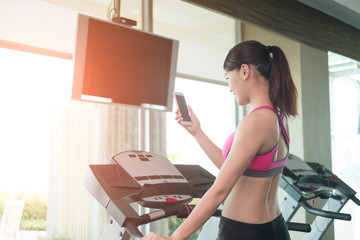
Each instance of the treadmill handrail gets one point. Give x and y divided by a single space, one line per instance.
355 200
184 210
133 231
299 227
323 213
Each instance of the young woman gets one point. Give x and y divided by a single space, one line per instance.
253 156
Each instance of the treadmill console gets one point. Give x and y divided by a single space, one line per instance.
311 179
148 168
149 180
135 176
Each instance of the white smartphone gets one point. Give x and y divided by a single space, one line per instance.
182 106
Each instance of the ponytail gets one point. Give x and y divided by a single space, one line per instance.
275 69
282 90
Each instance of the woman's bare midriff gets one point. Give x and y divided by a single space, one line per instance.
253 200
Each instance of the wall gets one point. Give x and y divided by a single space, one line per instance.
316 105
316 113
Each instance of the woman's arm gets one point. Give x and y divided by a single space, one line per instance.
211 150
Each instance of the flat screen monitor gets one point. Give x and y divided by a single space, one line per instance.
119 64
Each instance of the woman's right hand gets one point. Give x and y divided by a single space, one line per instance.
194 127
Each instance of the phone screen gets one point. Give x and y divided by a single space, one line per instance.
183 108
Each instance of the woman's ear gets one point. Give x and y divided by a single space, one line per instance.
245 70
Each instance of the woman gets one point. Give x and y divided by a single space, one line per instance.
253 157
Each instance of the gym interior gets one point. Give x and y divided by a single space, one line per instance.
49 138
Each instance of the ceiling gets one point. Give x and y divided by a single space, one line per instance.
347 11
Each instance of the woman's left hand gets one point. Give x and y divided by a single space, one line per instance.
154 236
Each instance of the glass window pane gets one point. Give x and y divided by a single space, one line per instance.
31 86
205 36
345 137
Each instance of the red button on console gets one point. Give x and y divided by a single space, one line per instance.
171 200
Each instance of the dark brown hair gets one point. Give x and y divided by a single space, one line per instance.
275 69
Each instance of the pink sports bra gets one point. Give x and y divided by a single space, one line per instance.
263 165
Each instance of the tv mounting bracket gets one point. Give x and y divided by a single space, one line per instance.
121 20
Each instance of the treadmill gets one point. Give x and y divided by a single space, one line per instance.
148 180
306 181
152 181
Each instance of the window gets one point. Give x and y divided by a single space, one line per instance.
31 87
345 134
214 106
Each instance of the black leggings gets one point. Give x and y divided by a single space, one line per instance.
233 230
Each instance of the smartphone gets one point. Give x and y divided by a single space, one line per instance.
182 106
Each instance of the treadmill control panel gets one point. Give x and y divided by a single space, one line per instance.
148 168
161 183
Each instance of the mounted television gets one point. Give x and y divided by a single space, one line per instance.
118 64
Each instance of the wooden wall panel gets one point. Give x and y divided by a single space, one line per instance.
295 20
